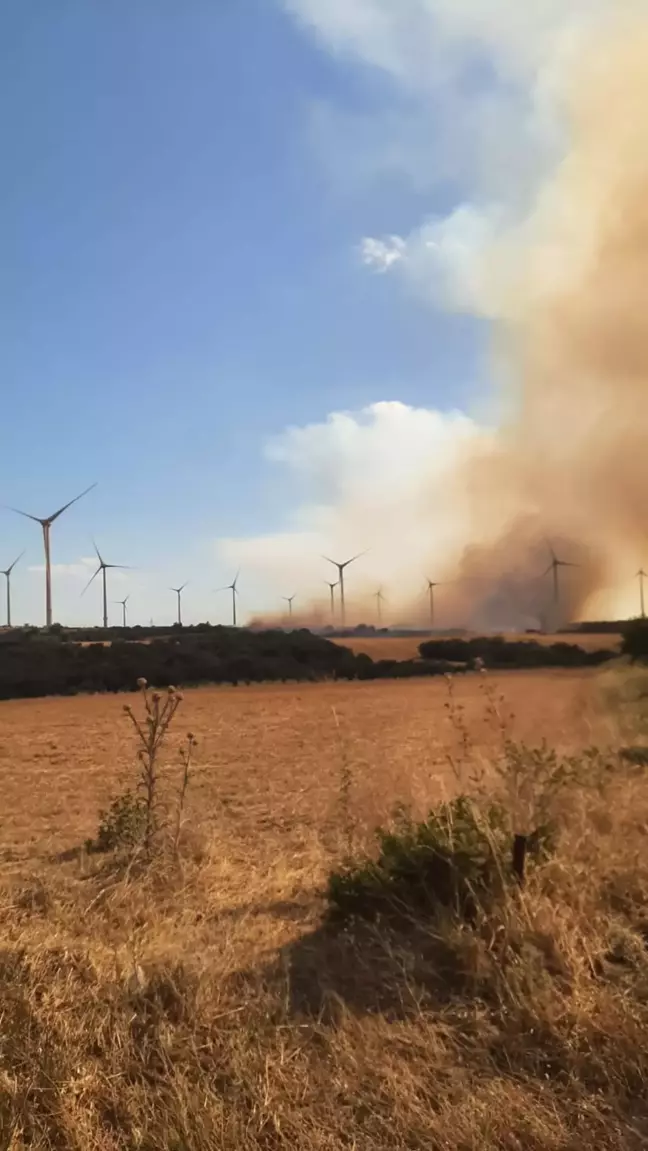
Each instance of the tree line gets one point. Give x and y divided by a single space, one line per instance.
35 663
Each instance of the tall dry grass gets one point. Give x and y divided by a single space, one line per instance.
202 1002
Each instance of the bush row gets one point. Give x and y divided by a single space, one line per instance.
37 663
499 653
46 664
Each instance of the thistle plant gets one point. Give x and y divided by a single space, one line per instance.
151 730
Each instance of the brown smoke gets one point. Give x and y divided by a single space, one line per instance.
571 465
568 467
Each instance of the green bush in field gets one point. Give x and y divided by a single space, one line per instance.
122 825
458 859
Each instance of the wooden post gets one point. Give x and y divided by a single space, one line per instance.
520 843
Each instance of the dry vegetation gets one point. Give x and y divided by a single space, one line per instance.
201 1002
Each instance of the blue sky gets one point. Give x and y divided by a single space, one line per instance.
181 276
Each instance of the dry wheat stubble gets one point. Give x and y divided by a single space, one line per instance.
269 756
265 791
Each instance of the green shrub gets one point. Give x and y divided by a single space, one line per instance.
453 860
122 826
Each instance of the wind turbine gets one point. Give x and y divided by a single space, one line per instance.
46 525
232 587
179 591
103 568
123 603
332 587
553 567
380 599
341 567
641 576
289 600
7 574
431 585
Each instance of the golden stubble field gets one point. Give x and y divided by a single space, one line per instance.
202 1004
269 757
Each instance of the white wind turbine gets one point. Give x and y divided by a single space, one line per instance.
46 525
103 568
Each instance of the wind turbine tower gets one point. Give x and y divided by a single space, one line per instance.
380 599
123 603
232 587
641 576
341 569
103 568
289 600
332 587
431 585
554 567
179 591
46 525
7 574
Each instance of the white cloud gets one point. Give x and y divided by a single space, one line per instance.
367 480
381 254
485 79
446 260
406 37
80 569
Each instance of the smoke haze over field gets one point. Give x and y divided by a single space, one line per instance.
562 273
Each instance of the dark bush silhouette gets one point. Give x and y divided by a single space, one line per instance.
35 663
499 653
635 639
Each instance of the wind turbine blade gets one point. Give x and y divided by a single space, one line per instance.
69 505
118 567
93 577
99 556
25 514
354 558
10 569
330 561
549 569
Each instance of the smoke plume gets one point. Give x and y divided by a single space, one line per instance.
567 468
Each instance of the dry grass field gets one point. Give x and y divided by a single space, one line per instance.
200 1003
406 647
271 752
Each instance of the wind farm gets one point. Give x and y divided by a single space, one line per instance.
338 614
